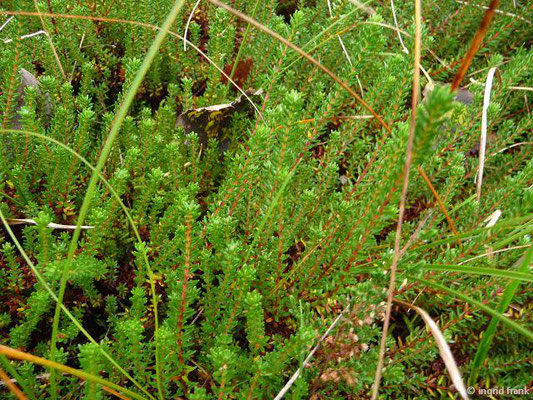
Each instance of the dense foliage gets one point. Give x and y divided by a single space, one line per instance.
243 258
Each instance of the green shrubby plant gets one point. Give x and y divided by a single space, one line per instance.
232 264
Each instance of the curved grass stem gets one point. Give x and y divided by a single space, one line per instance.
115 128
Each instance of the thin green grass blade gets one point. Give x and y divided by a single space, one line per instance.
496 229
496 314
488 335
297 57
13 372
20 355
527 229
242 45
43 282
10 198
501 273
334 36
272 205
128 217
122 205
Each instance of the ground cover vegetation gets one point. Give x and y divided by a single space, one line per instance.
199 204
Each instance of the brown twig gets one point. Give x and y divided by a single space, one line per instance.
403 197
115 393
439 201
476 44
11 386
416 233
23 356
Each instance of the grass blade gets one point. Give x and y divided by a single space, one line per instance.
14 389
128 217
444 349
488 335
17 377
115 128
20 355
495 314
483 139
43 282
476 44
501 273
